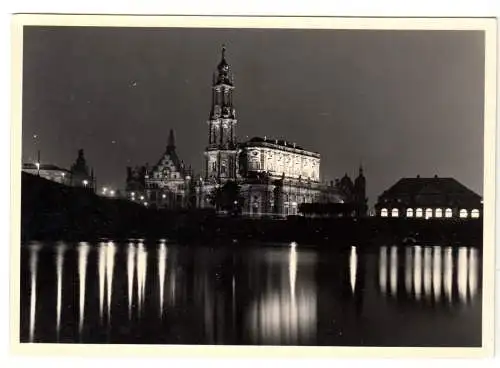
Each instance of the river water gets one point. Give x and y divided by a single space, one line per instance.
155 292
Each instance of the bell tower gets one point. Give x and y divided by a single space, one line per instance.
221 151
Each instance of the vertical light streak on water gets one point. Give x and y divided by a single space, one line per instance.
437 271
110 265
473 272
428 272
382 269
101 260
162 264
408 270
61 248
292 271
33 273
353 267
417 272
448 273
141 273
462 273
233 304
130 275
83 251
394 271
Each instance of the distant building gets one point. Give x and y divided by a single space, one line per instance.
49 172
165 185
81 175
429 198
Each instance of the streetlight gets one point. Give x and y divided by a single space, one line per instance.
37 168
104 190
142 198
85 183
111 193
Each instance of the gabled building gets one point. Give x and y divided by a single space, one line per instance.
165 185
429 198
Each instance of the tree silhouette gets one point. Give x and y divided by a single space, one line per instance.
227 197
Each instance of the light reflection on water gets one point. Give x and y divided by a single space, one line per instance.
430 278
353 267
61 248
34 248
83 251
271 295
102 277
162 264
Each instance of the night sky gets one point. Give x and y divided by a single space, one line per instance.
402 103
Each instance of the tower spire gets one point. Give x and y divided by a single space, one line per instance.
171 140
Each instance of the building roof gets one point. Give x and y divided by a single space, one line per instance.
47 167
278 142
428 186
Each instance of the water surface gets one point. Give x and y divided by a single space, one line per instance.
253 294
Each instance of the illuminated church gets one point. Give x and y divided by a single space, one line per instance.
274 176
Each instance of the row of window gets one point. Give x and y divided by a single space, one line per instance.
430 213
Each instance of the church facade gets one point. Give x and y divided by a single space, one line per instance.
274 176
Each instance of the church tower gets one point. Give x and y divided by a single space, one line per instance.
360 193
221 151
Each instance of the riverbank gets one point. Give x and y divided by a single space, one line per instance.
51 212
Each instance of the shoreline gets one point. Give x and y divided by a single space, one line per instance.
54 212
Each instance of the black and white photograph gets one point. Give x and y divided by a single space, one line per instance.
305 182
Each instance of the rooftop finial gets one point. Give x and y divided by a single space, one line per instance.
223 51
171 140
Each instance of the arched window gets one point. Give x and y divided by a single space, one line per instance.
384 212
409 212
395 212
474 213
448 213
463 213
419 212
428 213
439 212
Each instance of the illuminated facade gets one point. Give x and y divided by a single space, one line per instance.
275 176
165 185
429 198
